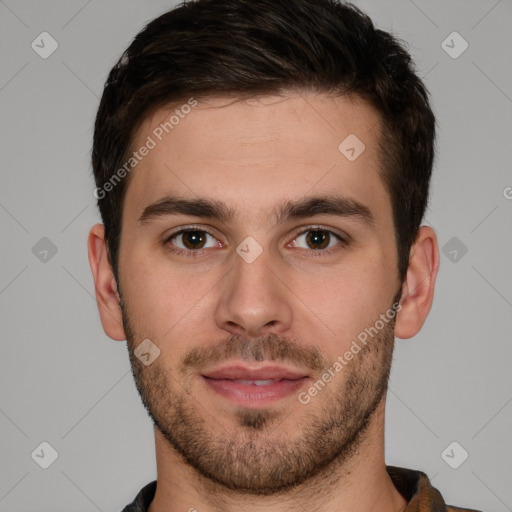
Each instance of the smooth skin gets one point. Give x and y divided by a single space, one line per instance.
254 156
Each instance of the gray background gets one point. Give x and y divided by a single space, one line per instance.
64 382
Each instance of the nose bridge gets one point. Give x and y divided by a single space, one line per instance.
252 300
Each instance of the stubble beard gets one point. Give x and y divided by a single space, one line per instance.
249 458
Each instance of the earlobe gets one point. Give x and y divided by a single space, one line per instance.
107 296
418 287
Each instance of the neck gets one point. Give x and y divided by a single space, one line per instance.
359 484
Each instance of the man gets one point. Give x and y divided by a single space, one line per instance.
262 169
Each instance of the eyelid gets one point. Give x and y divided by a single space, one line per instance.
190 253
185 229
343 242
342 235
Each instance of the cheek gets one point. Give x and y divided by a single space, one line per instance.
164 302
342 304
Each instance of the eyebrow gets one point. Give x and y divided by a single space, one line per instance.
340 206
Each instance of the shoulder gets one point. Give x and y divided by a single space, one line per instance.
143 499
422 496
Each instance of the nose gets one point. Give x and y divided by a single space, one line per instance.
254 300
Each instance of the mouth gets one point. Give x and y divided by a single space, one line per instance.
254 386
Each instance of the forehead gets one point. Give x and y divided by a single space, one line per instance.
259 151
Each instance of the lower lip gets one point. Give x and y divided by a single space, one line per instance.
251 395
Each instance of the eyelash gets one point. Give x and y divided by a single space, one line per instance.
198 252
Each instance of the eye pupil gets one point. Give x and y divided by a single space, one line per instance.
319 237
193 239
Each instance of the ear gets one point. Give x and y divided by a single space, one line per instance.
105 285
418 287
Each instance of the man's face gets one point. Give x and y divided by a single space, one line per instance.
271 285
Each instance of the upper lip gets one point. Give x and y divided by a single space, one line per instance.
239 371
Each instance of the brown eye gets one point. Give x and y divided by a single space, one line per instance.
192 240
318 239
